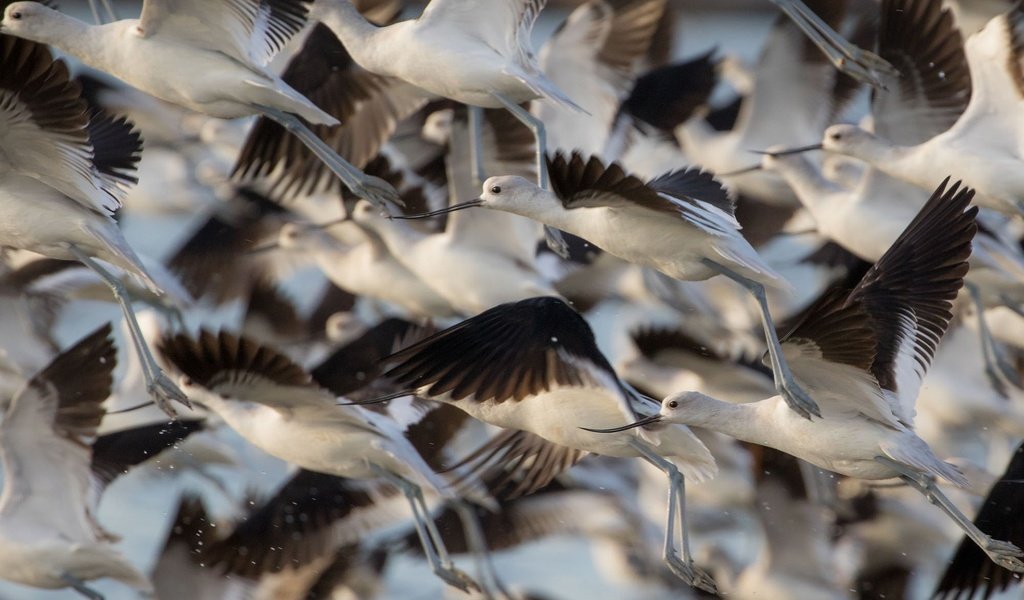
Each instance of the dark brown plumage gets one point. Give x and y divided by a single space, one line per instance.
210 360
507 352
917 278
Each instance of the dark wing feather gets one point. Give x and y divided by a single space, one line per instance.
667 96
211 359
695 184
117 147
516 463
44 87
652 341
368 106
291 529
916 279
114 453
921 273
357 364
589 183
921 40
82 377
508 352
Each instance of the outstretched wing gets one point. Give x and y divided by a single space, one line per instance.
250 31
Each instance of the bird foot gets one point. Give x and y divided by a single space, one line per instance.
163 391
798 400
377 191
692 575
1005 555
458 579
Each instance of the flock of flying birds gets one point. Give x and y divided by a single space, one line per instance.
455 285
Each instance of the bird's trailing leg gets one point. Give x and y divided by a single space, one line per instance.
820 485
79 586
430 538
682 567
94 6
476 145
794 395
477 544
374 189
997 367
1002 553
159 386
553 236
539 133
860 64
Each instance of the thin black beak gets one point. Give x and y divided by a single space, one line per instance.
655 418
377 400
131 408
441 211
740 171
789 151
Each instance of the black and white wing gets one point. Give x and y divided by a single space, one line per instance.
881 336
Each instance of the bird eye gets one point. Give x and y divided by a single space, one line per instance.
673 404
836 136
496 189
186 381
15 15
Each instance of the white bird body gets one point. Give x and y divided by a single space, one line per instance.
27 209
275 405
49 536
470 278
671 246
982 146
996 173
843 445
40 562
326 440
465 51
865 220
366 268
559 415
200 78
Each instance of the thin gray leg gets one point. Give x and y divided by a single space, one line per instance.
553 236
374 189
476 145
477 544
794 395
855 62
997 367
430 538
539 133
79 586
1002 553
684 568
819 484
158 385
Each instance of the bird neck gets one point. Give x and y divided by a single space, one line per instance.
351 27
547 210
77 38
746 422
811 187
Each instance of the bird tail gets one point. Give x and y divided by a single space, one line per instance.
410 464
542 86
120 254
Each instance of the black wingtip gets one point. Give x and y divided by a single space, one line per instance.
209 356
83 376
